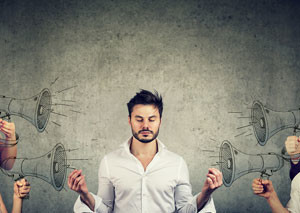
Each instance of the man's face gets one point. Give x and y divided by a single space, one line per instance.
144 122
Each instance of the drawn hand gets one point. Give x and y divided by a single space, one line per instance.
213 181
263 188
292 145
21 188
76 182
8 128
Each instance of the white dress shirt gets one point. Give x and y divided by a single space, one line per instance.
294 203
124 186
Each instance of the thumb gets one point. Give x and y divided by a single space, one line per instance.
19 183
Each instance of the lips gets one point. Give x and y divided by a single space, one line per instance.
145 132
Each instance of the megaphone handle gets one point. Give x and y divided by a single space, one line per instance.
297 127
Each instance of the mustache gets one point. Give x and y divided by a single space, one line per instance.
145 131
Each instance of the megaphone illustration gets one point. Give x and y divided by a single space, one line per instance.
50 167
267 122
36 109
235 164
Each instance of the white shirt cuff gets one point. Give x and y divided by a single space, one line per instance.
80 206
208 207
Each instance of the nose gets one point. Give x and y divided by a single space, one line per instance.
145 125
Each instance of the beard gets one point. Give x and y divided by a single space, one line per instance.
145 140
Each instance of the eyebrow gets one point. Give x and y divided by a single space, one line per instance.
152 116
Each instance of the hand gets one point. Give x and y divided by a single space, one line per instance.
76 182
263 188
292 145
8 128
213 181
21 188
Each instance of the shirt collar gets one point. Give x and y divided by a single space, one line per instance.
127 143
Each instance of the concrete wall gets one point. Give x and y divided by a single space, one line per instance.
206 58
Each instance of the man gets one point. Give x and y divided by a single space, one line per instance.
264 188
143 176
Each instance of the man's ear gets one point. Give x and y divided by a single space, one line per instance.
129 119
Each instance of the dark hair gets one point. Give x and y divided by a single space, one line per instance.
146 97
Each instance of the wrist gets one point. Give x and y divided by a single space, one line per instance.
17 197
272 197
206 192
84 195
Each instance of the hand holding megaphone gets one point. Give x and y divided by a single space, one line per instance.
8 129
21 188
292 145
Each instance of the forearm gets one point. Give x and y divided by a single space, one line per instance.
8 156
276 205
89 200
2 206
202 200
17 205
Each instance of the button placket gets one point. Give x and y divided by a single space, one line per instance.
144 194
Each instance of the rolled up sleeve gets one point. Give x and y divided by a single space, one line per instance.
184 200
104 200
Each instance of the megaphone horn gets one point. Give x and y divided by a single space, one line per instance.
235 164
267 122
36 109
50 167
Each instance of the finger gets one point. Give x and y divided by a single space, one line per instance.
257 184
19 183
264 182
292 137
212 184
23 182
214 171
256 187
22 195
257 181
80 183
5 131
4 122
71 175
25 191
217 174
212 177
77 180
74 176
258 191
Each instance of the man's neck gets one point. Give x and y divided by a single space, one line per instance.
138 148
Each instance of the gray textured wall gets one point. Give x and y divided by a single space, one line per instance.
206 58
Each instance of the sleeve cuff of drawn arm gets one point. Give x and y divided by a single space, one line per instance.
80 206
207 208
